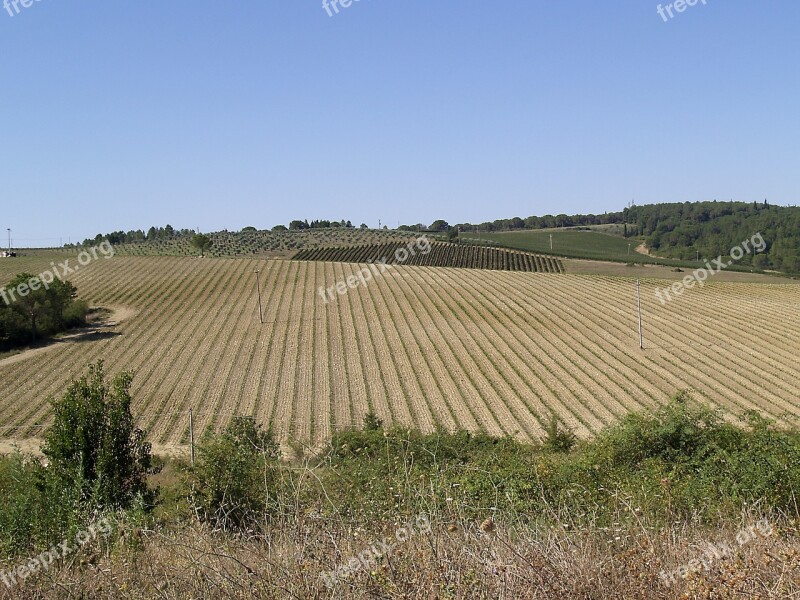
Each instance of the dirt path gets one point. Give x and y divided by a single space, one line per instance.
643 249
33 447
102 325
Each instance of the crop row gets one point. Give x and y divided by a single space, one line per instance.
439 255
492 351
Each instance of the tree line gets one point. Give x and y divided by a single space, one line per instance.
137 235
681 230
39 312
675 230
678 230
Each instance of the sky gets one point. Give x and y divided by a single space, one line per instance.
220 115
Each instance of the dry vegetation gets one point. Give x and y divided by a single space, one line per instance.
496 351
456 560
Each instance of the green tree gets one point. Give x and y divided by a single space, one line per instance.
203 243
42 309
93 443
32 305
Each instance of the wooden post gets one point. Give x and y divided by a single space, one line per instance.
191 433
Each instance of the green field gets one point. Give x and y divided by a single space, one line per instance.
570 243
575 243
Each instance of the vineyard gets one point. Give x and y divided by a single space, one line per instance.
256 243
440 255
453 348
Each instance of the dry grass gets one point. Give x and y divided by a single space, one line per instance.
455 560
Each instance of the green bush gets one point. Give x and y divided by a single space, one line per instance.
680 461
235 480
558 439
97 462
93 445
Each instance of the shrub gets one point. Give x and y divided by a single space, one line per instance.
235 479
93 445
558 439
372 422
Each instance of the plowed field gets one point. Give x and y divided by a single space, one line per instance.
496 351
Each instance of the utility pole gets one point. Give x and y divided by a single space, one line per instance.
629 249
9 240
551 242
639 303
258 287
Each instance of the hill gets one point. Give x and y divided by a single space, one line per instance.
260 243
437 254
713 228
677 231
432 347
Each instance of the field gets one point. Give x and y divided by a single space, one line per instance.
261 243
601 243
438 255
495 351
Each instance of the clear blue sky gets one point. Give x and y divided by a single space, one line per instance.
122 115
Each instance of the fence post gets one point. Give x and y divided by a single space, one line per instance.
191 433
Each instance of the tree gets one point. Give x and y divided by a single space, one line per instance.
44 309
439 225
32 305
93 444
203 243
280 228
